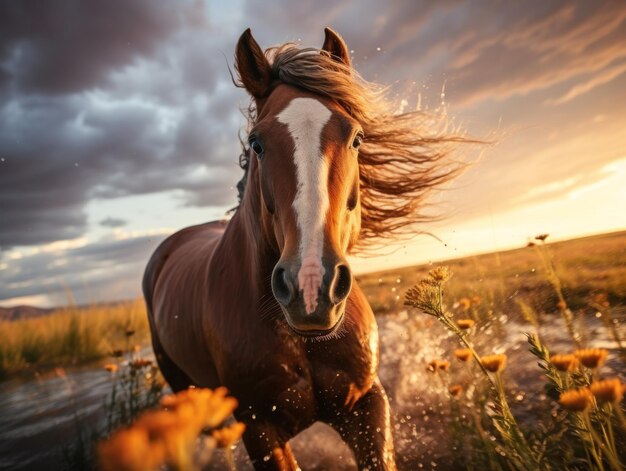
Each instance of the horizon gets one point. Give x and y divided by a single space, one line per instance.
124 128
70 304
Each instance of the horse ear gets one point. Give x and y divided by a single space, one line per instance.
336 47
254 69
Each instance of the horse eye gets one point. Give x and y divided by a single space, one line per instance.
358 140
256 146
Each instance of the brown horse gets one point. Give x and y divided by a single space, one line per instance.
265 304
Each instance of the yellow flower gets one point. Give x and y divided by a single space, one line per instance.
564 362
111 368
609 390
494 363
455 390
465 323
463 354
576 399
592 357
227 436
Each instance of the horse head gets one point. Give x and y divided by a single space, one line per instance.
304 151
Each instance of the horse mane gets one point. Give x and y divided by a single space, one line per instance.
403 158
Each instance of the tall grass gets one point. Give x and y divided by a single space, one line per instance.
70 336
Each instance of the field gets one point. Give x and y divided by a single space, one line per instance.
447 413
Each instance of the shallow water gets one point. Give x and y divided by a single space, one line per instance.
39 418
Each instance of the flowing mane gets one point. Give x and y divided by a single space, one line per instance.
402 158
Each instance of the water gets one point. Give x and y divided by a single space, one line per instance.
39 418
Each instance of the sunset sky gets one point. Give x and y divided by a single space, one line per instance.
119 122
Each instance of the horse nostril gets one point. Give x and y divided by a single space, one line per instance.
342 284
282 289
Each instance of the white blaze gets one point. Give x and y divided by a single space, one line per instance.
305 119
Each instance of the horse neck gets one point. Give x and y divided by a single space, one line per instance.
247 241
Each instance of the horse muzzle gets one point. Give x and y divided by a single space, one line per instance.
322 313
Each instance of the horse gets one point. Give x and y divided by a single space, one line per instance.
266 304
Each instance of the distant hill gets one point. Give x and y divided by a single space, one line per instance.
22 312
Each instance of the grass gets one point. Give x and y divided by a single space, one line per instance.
70 336
585 267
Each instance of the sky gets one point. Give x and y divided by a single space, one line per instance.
119 124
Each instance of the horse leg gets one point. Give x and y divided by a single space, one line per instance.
267 449
174 376
366 429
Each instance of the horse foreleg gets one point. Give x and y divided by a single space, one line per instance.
267 449
366 429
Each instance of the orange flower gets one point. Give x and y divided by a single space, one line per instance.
476 300
601 299
140 363
561 305
463 354
465 323
435 365
464 303
455 390
609 390
111 368
592 357
494 363
130 450
576 399
564 362
227 436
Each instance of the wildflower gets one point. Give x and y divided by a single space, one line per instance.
130 450
440 274
476 300
464 303
561 305
592 357
576 399
564 362
137 348
455 390
609 390
111 367
423 296
140 363
463 354
435 365
465 323
542 237
227 436
494 363
601 299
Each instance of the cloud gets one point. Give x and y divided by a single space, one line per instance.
601 78
113 222
107 269
102 100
